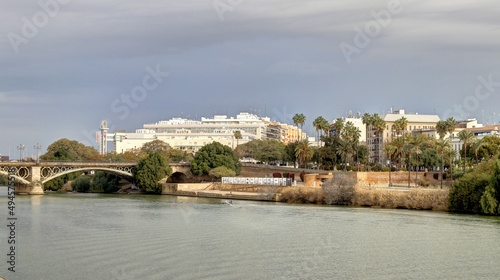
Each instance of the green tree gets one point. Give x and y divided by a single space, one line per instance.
490 200
81 184
214 155
270 150
249 149
70 150
290 152
3 180
490 146
105 182
176 155
156 146
303 152
149 171
477 191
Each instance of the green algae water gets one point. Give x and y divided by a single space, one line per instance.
119 237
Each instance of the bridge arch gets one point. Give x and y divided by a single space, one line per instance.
18 178
124 174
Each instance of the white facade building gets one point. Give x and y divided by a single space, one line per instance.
191 135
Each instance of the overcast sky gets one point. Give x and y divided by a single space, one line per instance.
70 64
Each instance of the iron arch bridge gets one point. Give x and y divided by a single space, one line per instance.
30 176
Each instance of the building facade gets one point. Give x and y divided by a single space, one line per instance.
191 135
416 124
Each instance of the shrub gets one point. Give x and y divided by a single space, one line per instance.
465 195
339 190
417 199
276 175
423 182
3 180
393 169
301 195
375 168
221 171
286 175
385 169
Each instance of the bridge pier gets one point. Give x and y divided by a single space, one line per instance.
36 180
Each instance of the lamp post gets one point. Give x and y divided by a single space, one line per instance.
21 148
37 147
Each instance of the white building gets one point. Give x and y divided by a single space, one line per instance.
416 124
358 123
191 135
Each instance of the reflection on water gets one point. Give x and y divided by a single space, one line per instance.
92 236
3 190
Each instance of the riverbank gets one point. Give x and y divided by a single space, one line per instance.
363 196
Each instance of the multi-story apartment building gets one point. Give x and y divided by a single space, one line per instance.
416 124
191 135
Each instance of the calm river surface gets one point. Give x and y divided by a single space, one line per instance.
119 237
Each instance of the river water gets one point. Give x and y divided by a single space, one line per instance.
119 237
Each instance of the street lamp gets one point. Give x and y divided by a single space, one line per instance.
37 147
21 149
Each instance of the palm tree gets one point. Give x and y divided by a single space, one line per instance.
475 146
379 124
400 125
299 120
390 151
466 137
303 152
451 154
351 134
237 135
417 143
319 125
367 121
442 128
344 149
325 127
442 146
407 148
